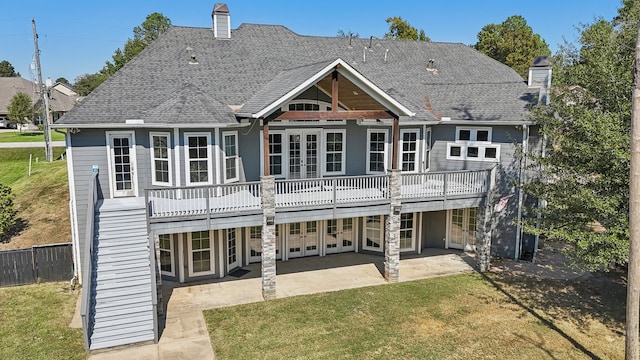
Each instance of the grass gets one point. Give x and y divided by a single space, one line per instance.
457 317
28 136
41 199
35 323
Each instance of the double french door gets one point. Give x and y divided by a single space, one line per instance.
463 227
340 236
303 239
304 147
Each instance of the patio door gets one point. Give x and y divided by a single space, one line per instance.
302 239
304 146
232 248
254 243
462 228
339 236
122 163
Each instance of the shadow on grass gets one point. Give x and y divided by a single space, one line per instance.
20 225
600 296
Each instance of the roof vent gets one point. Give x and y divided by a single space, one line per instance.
221 21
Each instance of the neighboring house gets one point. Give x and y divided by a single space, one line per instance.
216 148
60 99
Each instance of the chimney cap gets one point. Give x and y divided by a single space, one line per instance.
220 8
541 61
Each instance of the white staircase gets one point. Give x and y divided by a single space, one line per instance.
122 310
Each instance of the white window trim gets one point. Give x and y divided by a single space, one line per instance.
154 181
187 135
171 252
386 151
132 157
413 234
416 162
225 157
323 152
283 153
211 257
382 234
481 151
474 134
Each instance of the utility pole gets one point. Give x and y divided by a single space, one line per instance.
633 287
44 94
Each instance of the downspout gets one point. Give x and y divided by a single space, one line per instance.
523 162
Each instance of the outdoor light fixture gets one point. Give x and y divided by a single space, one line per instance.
397 209
271 220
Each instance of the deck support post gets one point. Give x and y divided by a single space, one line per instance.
392 229
267 193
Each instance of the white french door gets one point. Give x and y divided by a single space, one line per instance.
463 228
254 247
339 235
302 239
122 163
232 248
304 147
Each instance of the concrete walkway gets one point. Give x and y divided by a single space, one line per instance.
185 334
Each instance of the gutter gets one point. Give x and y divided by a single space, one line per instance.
147 126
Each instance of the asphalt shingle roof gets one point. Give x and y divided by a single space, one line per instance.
461 83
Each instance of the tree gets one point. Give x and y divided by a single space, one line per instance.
348 34
7 213
401 29
85 84
585 173
20 108
154 25
7 70
513 43
62 80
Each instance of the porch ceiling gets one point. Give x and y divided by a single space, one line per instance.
350 96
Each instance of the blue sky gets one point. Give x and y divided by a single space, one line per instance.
76 37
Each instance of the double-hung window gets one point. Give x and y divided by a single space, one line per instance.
473 144
377 151
160 159
197 149
409 150
231 159
334 148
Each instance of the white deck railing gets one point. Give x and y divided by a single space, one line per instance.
203 200
331 191
309 193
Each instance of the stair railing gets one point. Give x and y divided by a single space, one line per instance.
87 271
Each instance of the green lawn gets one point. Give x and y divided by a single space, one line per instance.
457 317
28 136
35 323
15 163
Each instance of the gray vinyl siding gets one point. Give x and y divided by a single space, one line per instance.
89 149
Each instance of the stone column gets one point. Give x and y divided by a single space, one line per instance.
268 196
483 238
392 229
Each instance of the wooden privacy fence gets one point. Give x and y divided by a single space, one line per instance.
40 263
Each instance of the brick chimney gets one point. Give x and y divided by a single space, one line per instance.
540 77
221 21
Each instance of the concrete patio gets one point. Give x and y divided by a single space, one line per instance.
185 336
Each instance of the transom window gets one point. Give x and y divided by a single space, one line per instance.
160 159
473 144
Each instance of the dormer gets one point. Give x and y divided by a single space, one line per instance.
221 21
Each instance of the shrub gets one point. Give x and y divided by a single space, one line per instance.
7 213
